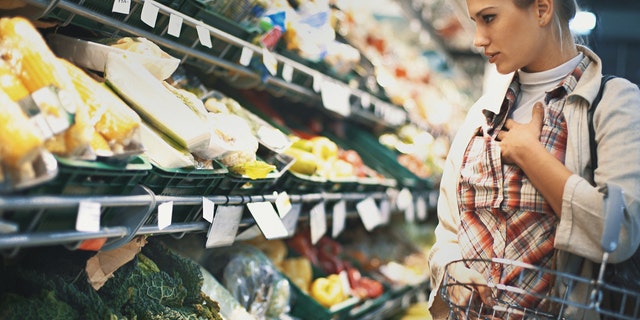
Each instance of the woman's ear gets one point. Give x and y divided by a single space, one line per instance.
544 9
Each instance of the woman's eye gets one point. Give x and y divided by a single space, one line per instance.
488 18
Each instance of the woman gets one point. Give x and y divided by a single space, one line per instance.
516 183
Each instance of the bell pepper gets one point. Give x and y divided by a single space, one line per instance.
328 290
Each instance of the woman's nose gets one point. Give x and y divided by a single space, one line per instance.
480 39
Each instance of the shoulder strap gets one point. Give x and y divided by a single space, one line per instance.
592 132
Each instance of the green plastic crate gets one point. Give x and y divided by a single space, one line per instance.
296 183
81 177
185 181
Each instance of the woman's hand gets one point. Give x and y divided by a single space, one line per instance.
470 290
518 139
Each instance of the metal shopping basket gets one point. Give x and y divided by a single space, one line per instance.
514 301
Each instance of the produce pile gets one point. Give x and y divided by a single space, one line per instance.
51 283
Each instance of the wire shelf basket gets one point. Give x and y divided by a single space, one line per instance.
558 295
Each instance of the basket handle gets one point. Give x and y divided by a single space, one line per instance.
614 208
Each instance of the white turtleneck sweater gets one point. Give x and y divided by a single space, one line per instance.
534 86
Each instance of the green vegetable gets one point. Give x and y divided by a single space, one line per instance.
51 283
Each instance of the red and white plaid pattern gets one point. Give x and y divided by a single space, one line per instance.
502 214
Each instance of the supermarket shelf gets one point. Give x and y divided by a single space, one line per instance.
365 107
134 211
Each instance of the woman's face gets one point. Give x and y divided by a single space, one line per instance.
511 37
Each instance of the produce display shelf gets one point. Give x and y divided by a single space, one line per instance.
219 61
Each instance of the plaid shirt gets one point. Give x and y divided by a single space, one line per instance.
502 214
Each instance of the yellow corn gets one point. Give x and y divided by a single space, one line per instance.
113 118
10 83
20 140
100 145
28 54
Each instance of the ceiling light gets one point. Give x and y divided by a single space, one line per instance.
583 23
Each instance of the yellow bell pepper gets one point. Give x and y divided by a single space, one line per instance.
328 291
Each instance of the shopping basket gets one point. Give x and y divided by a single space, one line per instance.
594 303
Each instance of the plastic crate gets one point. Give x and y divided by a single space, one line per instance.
382 158
296 183
236 184
185 181
81 177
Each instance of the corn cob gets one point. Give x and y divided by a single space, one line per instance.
100 145
28 54
20 140
10 83
113 118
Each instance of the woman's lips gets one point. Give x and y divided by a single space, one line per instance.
492 57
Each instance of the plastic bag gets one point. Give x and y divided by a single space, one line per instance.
251 279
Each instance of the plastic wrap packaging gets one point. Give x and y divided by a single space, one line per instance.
251 279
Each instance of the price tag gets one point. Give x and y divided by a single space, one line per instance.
365 100
385 212
57 117
245 56
404 200
318 221
369 213
290 220
175 25
149 13
267 219
283 204
208 208
204 36
224 227
287 72
421 209
339 218
410 213
270 61
165 214
88 218
335 97
121 6
317 82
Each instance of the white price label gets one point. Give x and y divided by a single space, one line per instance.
270 61
267 219
175 25
290 220
204 36
283 204
318 79
410 213
385 211
88 218
245 56
369 213
165 214
365 100
421 209
121 6
287 72
208 208
404 200
224 227
335 97
149 13
339 217
318 221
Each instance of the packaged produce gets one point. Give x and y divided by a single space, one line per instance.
230 308
114 120
162 151
21 141
93 54
155 104
252 280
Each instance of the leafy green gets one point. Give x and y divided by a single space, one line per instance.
156 284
